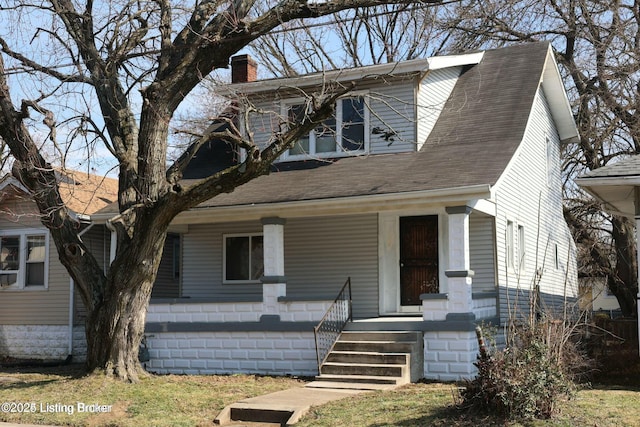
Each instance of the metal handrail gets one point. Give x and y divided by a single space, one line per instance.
327 331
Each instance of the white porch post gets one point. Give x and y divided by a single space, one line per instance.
274 283
459 275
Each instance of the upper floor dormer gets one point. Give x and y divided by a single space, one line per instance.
391 108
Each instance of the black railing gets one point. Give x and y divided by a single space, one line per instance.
329 328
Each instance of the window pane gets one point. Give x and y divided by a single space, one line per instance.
35 274
296 114
353 124
257 257
326 136
8 279
10 253
35 249
237 258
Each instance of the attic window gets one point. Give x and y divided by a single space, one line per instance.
343 134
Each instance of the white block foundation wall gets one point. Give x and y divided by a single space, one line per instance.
270 353
43 342
449 356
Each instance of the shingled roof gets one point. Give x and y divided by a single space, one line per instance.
479 130
624 168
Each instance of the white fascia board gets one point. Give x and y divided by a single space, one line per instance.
315 79
608 181
448 61
558 101
9 180
337 206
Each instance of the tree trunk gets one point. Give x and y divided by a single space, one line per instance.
624 282
114 332
115 327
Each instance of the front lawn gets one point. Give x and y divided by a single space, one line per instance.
175 400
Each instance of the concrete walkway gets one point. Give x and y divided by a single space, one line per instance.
282 408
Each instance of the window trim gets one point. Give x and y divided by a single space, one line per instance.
509 241
522 249
340 151
20 284
225 281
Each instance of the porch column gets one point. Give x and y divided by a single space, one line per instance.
459 275
274 284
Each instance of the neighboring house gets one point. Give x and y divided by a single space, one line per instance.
617 185
436 189
36 299
595 296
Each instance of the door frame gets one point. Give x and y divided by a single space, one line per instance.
389 259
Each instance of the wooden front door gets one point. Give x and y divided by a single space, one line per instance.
418 258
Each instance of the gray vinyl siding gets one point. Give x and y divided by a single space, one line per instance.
392 107
98 241
33 307
320 253
482 252
202 261
433 92
528 197
167 284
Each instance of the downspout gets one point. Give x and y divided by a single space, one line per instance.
72 301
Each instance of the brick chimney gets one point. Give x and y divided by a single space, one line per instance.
243 69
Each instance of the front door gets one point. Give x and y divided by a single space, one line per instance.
418 258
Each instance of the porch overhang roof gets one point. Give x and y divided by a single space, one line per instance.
478 197
616 185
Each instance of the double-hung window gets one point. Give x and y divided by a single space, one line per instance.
243 258
339 135
23 259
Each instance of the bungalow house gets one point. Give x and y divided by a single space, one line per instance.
37 301
434 194
429 204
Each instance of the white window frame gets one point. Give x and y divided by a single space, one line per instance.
21 273
509 240
224 258
522 249
340 150
551 162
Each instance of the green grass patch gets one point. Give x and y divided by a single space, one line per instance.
175 400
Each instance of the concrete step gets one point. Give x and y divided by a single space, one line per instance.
263 415
359 379
378 370
374 346
394 336
337 385
367 357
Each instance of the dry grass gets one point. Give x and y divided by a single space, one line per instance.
174 400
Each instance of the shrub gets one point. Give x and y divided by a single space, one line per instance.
528 377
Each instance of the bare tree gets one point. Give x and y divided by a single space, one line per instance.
598 49
135 62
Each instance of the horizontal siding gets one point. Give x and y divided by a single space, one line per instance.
433 92
530 195
167 285
392 107
202 261
98 241
38 307
321 253
481 252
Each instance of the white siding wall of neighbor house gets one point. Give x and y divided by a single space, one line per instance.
433 92
529 186
33 323
392 108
